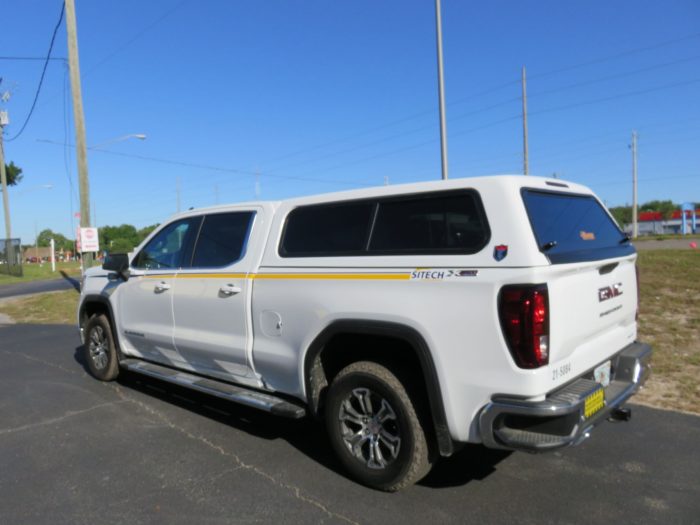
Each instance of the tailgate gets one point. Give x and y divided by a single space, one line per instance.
591 280
593 308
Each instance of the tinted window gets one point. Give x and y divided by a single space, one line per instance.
338 229
165 250
571 228
444 223
221 239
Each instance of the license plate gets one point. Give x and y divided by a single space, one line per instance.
594 402
602 374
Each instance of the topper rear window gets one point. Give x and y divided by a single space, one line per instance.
571 228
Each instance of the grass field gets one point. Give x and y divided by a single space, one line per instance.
41 272
663 237
669 320
46 308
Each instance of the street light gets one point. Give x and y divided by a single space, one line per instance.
140 136
34 188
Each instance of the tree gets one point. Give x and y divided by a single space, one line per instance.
125 236
14 173
622 214
60 240
120 246
666 208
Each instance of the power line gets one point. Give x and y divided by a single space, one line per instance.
43 73
650 180
612 77
614 97
203 166
369 131
33 58
135 37
617 55
495 88
126 44
397 135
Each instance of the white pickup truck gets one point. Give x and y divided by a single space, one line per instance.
496 310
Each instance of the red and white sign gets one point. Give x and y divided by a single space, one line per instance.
89 241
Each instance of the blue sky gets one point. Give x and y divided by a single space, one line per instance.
324 96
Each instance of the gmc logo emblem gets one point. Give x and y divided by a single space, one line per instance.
608 292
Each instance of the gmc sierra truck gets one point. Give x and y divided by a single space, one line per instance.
410 319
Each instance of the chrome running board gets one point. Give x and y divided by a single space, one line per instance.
241 395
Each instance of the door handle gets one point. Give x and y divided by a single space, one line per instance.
229 290
161 287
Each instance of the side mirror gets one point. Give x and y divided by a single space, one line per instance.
119 263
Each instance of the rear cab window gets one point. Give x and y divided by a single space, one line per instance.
573 228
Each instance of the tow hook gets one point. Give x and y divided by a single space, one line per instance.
620 414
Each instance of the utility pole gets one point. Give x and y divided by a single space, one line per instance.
635 226
3 176
79 118
177 189
9 248
441 91
526 167
257 185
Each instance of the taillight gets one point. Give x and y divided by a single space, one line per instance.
524 312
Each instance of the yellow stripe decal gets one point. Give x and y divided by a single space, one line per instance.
323 276
335 276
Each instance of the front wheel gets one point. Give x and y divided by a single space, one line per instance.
100 350
374 428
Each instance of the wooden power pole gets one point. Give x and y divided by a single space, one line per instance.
78 116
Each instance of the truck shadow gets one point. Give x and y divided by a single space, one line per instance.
472 462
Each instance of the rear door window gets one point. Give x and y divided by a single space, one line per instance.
572 228
222 238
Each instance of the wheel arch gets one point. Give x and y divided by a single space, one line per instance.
94 304
315 380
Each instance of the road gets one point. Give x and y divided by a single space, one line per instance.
74 450
31 287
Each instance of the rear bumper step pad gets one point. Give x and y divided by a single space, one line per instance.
560 420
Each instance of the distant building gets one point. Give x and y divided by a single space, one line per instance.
652 223
42 253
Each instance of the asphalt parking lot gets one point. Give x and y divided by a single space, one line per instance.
74 450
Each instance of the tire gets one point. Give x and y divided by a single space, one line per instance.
100 351
382 443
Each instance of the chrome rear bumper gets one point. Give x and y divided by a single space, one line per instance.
560 420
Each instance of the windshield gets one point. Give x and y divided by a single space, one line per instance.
571 228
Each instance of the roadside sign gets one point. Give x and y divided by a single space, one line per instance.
89 241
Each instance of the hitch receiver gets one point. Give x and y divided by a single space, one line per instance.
620 414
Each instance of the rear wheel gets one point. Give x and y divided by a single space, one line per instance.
374 427
100 350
